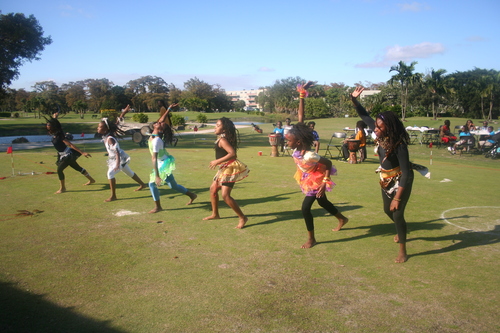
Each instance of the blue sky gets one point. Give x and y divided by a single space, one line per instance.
246 45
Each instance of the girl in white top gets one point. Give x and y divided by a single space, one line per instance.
118 159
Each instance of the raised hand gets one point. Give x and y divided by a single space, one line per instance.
357 92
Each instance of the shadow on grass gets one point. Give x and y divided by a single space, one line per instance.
21 311
462 240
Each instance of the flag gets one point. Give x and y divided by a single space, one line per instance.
83 134
9 150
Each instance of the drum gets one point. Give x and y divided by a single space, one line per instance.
145 130
274 139
137 137
353 145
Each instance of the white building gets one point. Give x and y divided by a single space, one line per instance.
248 96
365 93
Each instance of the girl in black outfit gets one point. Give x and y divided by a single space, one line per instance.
396 174
230 170
68 153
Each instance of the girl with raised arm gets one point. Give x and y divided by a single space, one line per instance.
68 153
313 171
118 160
396 174
163 162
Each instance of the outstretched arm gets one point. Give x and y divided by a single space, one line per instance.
360 109
124 112
164 118
302 89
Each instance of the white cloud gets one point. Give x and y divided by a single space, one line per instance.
405 53
266 69
413 7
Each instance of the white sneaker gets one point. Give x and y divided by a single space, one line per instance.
449 148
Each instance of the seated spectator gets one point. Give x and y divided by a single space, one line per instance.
445 133
281 131
361 136
311 125
485 140
469 126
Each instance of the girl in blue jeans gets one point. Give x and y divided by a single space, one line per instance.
163 162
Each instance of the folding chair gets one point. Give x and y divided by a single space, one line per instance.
332 145
468 145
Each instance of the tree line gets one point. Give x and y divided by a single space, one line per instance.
472 94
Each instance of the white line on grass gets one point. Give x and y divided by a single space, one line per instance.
473 207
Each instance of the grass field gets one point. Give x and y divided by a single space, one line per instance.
82 265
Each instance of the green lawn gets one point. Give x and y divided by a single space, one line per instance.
83 265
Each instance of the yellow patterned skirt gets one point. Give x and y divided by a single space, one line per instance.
231 172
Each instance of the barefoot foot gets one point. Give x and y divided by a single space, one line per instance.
211 217
89 182
110 199
402 257
156 210
310 243
342 222
62 190
242 223
192 196
139 188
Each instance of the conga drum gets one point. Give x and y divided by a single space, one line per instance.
353 147
274 139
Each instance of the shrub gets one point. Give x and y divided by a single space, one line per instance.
177 120
201 118
20 140
140 118
4 114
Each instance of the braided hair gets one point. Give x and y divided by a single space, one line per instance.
304 134
395 130
113 128
55 125
230 132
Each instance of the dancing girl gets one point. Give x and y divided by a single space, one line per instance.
231 170
396 173
163 162
68 153
313 172
118 160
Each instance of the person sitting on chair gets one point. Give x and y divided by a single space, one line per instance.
361 136
445 133
485 141
281 131
311 125
469 126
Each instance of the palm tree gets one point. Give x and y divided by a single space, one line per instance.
405 77
436 84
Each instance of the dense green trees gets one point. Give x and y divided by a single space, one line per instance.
21 40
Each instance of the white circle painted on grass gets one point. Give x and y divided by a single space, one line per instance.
476 218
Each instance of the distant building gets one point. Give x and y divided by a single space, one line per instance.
248 96
369 93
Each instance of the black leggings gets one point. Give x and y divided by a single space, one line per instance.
68 161
306 209
398 217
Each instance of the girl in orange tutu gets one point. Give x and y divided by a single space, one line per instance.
230 170
313 172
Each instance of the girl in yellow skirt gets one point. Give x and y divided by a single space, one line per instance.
230 170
